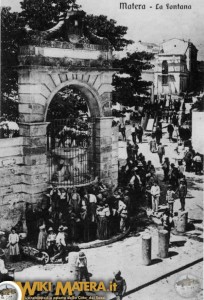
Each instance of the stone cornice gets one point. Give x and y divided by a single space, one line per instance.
65 45
69 63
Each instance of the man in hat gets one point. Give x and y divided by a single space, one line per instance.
121 285
4 276
188 159
133 133
170 198
173 176
129 150
63 200
166 168
135 178
198 164
81 264
170 129
158 134
161 152
55 198
139 133
182 192
141 173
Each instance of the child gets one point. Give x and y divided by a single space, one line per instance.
121 285
60 238
170 198
13 245
51 239
81 264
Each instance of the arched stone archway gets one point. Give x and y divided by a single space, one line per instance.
37 87
91 95
45 70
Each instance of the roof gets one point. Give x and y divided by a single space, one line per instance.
176 46
149 44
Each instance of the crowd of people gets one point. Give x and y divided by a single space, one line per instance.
73 215
77 214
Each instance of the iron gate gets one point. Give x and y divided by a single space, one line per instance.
70 148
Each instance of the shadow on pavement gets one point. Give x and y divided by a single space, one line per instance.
178 244
156 261
172 253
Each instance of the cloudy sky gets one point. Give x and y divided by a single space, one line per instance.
151 24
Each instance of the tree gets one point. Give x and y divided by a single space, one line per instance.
44 14
128 83
11 33
104 27
67 103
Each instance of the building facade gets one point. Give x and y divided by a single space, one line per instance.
175 67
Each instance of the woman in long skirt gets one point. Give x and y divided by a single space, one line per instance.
153 145
13 245
42 238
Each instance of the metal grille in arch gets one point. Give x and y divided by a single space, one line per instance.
70 149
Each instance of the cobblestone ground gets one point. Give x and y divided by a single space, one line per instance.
165 290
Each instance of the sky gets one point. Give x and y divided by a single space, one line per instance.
151 24
2 287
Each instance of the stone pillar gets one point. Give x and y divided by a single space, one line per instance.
146 249
181 223
104 150
35 175
163 243
72 268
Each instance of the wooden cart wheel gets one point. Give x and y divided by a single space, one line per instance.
46 257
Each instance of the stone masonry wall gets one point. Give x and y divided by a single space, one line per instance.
23 173
12 196
106 148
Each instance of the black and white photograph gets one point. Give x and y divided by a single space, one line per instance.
101 149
